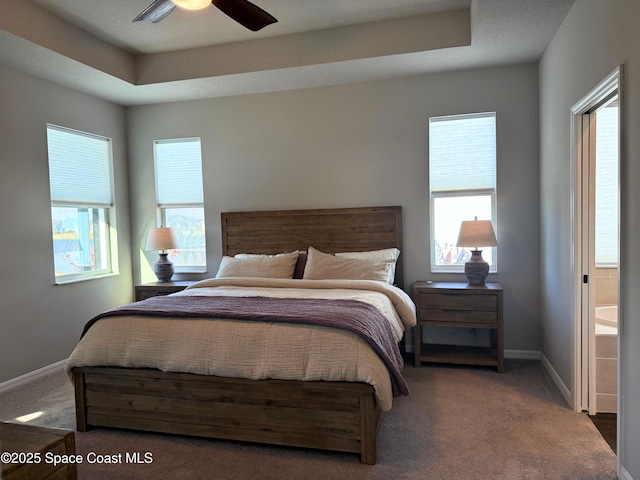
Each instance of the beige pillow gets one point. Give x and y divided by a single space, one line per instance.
322 266
376 255
263 266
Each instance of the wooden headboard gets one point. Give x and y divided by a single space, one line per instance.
329 230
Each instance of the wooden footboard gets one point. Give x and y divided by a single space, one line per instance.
339 416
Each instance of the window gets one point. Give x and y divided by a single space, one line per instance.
462 183
181 201
80 178
606 201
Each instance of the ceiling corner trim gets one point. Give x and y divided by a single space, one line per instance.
33 24
386 38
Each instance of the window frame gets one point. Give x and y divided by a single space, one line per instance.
110 231
161 208
461 193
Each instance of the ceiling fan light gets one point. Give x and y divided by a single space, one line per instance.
192 4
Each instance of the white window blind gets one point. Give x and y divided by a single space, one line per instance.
462 152
179 172
607 186
79 167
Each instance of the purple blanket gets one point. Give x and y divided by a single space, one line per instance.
352 315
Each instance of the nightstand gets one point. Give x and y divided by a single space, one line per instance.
156 289
459 305
31 445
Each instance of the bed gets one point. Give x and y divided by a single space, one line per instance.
341 415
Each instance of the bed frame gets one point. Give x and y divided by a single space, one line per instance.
340 416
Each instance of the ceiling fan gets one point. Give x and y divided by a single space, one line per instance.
242 11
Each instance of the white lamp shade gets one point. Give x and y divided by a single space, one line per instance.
192 4
162 238
476 233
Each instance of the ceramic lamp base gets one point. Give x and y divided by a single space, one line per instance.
163 268
476 269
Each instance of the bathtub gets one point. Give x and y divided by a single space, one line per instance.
607 320
606 359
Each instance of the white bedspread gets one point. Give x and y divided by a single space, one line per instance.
253 350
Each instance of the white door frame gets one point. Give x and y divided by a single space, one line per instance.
583 381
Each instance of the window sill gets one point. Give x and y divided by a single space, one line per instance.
84 279
190 269
458 271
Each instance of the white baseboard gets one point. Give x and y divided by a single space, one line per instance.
623 474
566 393
31 376
514 354
523 354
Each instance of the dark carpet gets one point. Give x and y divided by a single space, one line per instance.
458 423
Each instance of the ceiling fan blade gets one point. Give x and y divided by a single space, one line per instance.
245 13
155 12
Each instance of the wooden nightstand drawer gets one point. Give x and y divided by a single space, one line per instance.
148 293
159 288
443 317
459 301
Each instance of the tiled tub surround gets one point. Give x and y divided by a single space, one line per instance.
606 286
606 340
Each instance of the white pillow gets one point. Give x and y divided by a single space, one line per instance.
323 266
377 255
263 266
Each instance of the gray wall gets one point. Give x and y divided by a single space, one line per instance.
362 144
40 323
595 37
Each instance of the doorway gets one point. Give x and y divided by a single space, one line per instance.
597 131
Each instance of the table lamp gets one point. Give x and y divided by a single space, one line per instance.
476 233
163 239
